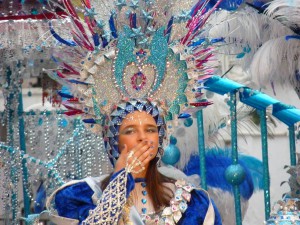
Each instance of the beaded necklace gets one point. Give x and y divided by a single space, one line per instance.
143 183
146 216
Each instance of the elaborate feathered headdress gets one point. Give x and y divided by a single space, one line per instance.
147 49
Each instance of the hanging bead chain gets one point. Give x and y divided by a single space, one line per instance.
30 132
99 147
5 191
89 156
72 162
62 123
85 156
93 160
46 135
77 158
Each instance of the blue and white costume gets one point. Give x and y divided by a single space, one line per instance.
190 205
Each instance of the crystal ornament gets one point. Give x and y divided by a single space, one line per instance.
285 212
138 81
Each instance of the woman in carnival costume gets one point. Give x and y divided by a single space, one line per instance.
131 79
137 192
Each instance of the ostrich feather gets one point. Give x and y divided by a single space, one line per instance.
224 200
244 32
287 12
216 127
266 42
217 161
215 117
277 60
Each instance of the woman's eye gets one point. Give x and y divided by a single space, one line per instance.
152 130
128 131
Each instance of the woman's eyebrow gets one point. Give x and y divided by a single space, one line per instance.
151 125
134 125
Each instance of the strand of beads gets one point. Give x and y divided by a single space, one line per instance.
104 166
142 182
46 135
84 157
144 200
64 129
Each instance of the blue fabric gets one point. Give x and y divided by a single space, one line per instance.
40 199
75 201
197 208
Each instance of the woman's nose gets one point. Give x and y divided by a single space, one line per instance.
141 136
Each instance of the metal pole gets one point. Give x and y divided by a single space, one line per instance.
266 174
292 145
201 148
236 190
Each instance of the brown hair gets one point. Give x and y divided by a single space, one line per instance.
159 193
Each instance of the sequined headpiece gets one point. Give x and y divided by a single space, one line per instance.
155 50
111 132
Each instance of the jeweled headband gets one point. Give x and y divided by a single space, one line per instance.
111 132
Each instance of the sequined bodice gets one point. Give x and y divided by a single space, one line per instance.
169 215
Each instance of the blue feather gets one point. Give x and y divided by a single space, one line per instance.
288 37
57 37
77 82
217 161
255 167
65 93
104 42
229 5
40 199
169 28
113 27
96 39
134 20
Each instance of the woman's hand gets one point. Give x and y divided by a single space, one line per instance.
136 158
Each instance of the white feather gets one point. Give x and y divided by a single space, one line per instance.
288 12
277 60
245 28
225 204
187 137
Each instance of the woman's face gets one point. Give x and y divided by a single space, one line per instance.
137 127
